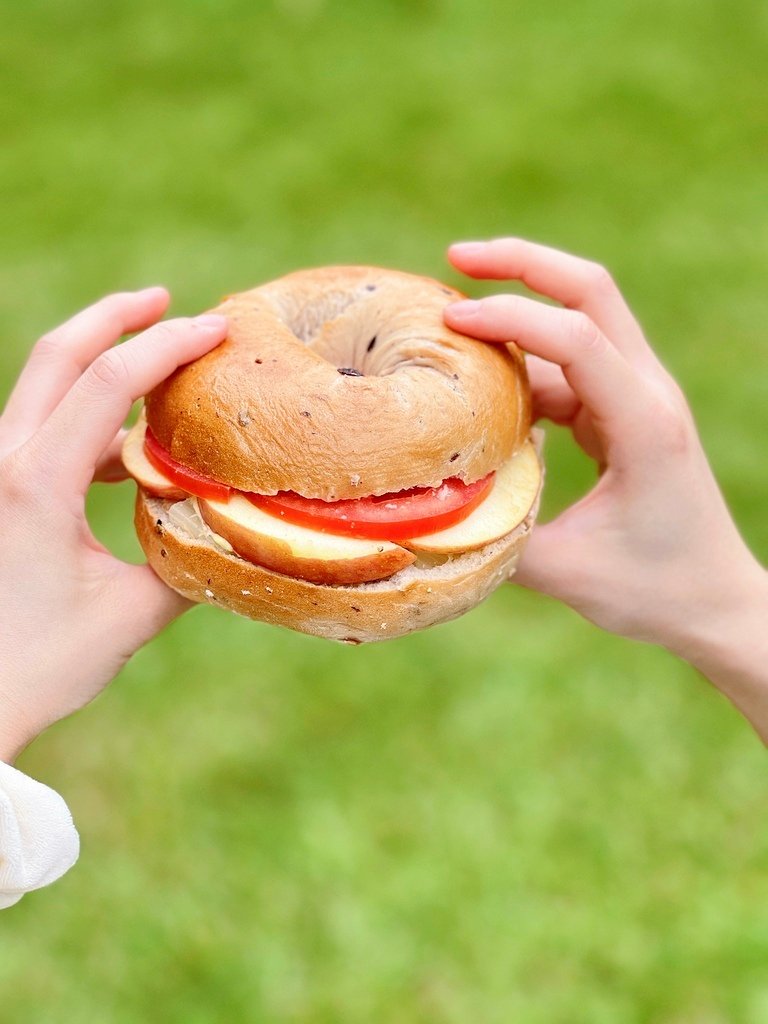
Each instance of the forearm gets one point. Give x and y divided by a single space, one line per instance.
730 645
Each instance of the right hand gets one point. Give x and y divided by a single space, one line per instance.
652 546
72 614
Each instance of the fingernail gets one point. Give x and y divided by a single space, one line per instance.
212 321
152 289
468 248
467 309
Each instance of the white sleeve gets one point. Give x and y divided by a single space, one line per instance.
38 839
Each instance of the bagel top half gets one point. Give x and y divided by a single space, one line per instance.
343 382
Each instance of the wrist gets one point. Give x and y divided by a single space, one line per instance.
15 733
726 639
732 609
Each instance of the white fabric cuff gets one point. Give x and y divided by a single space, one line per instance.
38 839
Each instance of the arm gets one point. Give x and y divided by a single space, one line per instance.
651 552
731 649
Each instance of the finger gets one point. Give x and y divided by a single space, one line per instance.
600 376
149 605
60 357
142 605
552 396
574 282
544 565
109 467
81 427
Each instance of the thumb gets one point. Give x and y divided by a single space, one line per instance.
147 603
544 564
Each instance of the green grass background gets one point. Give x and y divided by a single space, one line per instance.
513 818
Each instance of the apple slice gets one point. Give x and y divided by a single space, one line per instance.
507 504
142 470
299 551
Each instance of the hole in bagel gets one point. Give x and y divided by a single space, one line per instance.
307 319
355 331
348 329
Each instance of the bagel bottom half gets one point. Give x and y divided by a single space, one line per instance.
425 593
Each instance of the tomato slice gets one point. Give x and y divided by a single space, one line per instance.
398 516
197 484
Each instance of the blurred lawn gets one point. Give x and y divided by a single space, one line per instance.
513 818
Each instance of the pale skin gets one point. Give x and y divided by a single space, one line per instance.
651 553
72 614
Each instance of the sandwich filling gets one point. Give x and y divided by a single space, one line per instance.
350 541
397 516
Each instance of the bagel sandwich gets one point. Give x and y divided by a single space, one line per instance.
343 464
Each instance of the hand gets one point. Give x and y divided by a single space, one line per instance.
651 552
72 614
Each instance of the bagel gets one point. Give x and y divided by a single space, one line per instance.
343 463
